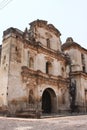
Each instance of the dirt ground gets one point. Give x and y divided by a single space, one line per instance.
59 123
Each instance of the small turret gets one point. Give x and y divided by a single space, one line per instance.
69 39
26 34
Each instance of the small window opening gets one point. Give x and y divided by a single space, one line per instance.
48 43
31 63
84 69
16 37
48 68
4 59
62 71
16 49
83 63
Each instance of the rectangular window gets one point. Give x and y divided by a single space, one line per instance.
83 63
48 43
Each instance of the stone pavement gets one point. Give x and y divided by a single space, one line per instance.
59 123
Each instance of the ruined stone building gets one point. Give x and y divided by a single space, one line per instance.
37 69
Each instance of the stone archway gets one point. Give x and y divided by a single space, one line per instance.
49 101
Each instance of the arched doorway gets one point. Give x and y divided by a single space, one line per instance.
49 101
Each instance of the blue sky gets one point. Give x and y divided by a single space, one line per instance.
68 16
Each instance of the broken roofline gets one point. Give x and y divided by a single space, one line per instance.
43 23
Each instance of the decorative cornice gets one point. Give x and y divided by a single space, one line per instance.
42 49
36 46
41 77
78 73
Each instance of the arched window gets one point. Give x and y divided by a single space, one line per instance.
31 62
48 68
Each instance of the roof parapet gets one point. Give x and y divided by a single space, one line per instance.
43 23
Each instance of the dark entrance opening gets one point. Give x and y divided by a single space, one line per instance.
49 101
46 102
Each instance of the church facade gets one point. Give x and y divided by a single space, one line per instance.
37 70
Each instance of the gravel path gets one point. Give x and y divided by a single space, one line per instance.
60 123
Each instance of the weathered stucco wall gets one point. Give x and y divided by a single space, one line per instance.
30 69
4 71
